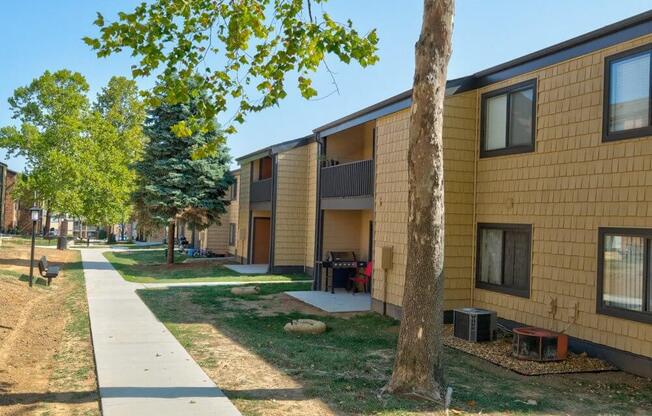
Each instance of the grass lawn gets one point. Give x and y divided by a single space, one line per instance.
345 368
27 240
149 266
46 363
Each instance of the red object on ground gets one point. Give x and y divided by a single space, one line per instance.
538 344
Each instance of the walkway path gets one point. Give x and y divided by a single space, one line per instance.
142 369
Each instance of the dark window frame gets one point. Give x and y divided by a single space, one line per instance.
523 293
232 233
509 150
601 308
608 136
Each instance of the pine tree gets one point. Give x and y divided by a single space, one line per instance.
175 183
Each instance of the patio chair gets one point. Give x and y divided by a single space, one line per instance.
363 278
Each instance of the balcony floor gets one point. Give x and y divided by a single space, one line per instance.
340 301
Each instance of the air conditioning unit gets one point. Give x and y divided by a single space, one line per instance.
474 324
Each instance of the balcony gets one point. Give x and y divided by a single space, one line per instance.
261 191
348 180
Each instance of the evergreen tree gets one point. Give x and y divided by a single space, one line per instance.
174 184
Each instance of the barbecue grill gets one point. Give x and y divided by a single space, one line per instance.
343 265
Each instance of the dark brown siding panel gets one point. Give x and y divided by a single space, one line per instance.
348 180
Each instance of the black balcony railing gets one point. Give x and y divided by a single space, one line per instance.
354 179
261 191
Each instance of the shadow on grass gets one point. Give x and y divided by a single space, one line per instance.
37 280
68 397
17 262
348 365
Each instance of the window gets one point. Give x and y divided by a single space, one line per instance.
231 234
624 277
508 118
264 168
503 259
233 191
627 112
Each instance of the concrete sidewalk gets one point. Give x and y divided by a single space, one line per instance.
142 369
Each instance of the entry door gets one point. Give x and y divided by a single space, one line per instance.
261 241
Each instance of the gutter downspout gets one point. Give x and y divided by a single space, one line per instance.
272 236
475 197
316 272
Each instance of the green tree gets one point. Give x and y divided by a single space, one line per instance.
50 112
79 157
257 43
107 178
121 146
174 183
244 51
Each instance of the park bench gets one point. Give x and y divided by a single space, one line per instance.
47 271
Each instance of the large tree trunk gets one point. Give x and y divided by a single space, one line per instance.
418 367
170 258
62 239
48 223
110 236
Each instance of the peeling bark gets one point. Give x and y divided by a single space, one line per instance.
418 367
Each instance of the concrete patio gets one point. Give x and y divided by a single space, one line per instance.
248 268
340 301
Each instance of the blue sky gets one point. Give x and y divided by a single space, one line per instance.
42 34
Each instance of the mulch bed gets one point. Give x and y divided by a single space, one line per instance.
499 352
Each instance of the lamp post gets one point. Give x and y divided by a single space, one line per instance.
35 211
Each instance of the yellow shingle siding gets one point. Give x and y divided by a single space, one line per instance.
391 209
309 251
234 217
346 230
569 187
390 203
292 207
216 237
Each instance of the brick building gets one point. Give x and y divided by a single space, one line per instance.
9 209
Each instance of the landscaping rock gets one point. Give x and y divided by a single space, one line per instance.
245 290
305 326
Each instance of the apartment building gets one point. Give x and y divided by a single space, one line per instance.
277 206
8 205
548 192
221 238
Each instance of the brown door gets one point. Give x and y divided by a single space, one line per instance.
261 241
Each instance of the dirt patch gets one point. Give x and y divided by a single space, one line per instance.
499 352
255 386
280 303
46 364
